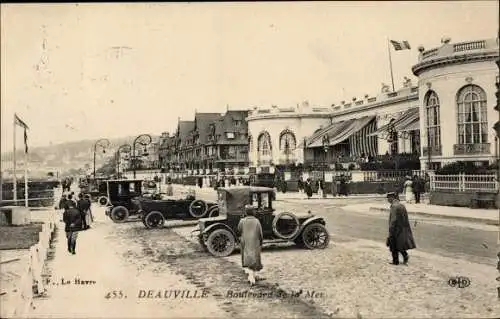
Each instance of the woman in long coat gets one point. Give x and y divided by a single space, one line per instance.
251 243
400 238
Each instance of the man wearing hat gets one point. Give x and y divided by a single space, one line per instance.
400 237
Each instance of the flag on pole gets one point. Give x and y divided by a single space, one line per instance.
21 123
400 45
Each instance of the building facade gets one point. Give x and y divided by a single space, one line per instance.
342 133
210 144
457 100
454 97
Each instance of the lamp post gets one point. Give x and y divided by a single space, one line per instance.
104 143
125 147
144 140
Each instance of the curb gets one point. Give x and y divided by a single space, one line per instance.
462 218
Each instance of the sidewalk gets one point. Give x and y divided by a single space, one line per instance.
99 282
486 216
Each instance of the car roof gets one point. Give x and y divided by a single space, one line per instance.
246 189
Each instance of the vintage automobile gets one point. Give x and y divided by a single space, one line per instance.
123 198
96 188
159 207
219 235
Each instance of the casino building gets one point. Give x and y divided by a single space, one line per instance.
447 116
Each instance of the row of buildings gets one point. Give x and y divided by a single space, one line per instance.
447 116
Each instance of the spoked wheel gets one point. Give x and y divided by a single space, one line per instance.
198 208
154 219
315 236
213 212
220 243
119 214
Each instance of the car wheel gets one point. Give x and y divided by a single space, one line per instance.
103 201
315 236
119 214
154 219
198 208
289 227
214 211
220 243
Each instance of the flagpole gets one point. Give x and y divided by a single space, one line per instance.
14 160
26 204
390 63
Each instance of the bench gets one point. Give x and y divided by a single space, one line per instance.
483 200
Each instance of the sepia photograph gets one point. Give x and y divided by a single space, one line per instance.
291 159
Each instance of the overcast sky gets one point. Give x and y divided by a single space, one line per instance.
83 71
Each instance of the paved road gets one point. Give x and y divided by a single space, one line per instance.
441 237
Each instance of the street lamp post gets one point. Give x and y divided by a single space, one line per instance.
104 143
144 140
125 147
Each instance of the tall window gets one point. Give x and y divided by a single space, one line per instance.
287 142
264 144
472 117
433 119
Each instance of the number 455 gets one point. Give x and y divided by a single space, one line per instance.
115 294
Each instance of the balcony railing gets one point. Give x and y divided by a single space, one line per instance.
435 150
477 148
466 46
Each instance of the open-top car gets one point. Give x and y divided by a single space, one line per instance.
159 207
219 235
123 198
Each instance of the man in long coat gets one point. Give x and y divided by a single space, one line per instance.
400 235
251 243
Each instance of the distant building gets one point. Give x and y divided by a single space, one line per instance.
210 144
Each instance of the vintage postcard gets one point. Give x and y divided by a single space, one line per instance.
250 160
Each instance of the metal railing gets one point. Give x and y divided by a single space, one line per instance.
462 182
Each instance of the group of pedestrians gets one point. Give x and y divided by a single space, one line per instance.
77 216
339 187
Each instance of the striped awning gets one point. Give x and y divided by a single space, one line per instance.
401 123
338 132
414 126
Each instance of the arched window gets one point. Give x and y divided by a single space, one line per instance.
264 144
433 120
472 123
288 143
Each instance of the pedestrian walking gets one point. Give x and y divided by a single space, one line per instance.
308 188
73 224
321 186
343 185
418 188
62 202
334 186
300 184
251 237
408 190
84 207
400 238
91 216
